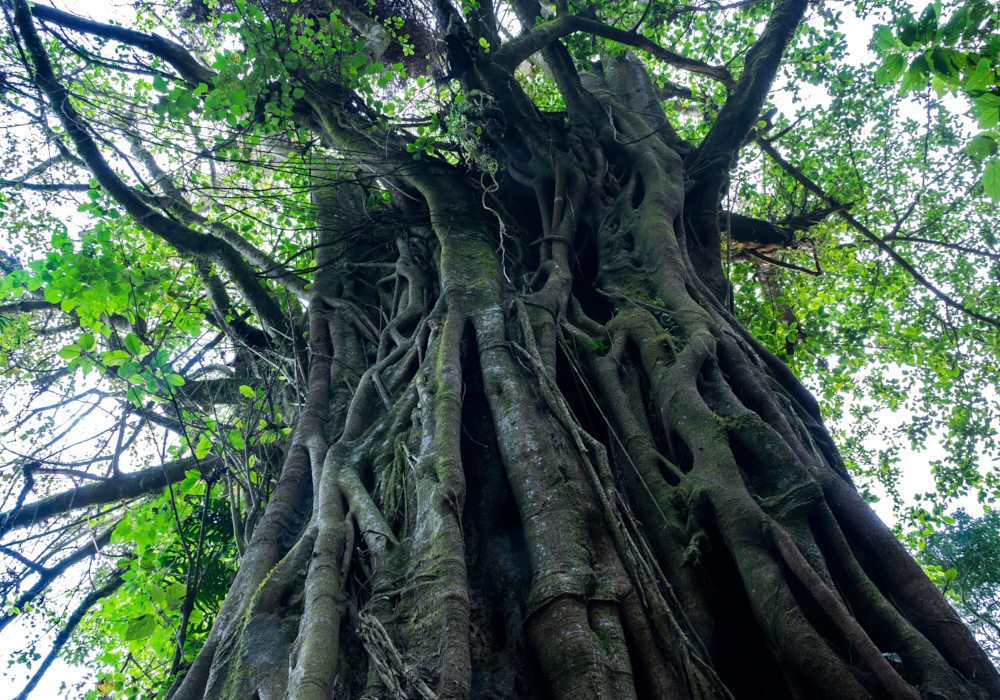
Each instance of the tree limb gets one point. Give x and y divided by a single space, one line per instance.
513 52
190 69
801 178
119 488
738 115
48 574
67 631
23 307
183 239
182 209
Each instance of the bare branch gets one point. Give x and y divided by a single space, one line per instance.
67 631
119 488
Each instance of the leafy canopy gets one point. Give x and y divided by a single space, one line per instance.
117 350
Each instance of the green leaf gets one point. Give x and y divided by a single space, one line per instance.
928 24
203 447
113 358
979 81
86 342
942 63
52 295
884 38
159 84
890 70
235 439
950 574
955 26
175 595
158 596
298 93
129 369
982 146
140 628
132 344
916 75
246 391
70 351
175 380
991 180
907 34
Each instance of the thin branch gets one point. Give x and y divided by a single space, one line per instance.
801 178
945 244
67 631
785 265
512 53
46 187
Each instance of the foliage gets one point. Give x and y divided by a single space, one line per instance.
951 48
108 328
962 559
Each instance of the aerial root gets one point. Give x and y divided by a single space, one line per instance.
388 662
831 603
647 577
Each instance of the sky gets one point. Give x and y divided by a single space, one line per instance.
915 477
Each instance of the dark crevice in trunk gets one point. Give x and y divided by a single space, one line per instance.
499 571
742 654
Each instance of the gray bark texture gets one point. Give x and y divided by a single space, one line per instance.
537 457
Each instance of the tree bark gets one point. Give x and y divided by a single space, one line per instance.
556 466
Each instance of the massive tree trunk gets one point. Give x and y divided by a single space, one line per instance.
558 467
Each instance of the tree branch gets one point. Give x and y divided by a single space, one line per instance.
67 631
45 187
842 211
738 115
183 239
750 231
24 307
786 265
513 52
119 488
182 209
50 573
190 69
945 244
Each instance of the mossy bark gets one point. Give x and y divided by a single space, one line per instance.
572 485
541 459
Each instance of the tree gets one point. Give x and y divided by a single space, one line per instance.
962 560
432 309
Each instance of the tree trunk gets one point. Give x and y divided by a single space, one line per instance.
560 468
599 486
